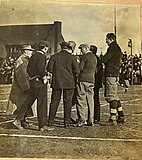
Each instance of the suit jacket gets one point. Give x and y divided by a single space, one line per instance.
36 65
64 68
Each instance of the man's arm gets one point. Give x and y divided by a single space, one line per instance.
22 77
107 56
82 63
50 65
41 65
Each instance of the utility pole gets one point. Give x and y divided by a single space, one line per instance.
115 19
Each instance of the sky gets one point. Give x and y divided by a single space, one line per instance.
81 22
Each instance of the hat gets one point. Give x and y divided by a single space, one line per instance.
44 43
27 47
64 44
72 45
86 45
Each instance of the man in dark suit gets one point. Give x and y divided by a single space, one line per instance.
63 66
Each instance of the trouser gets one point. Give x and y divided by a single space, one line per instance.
67 103
96 104
74 102
38 90
85 97
111 96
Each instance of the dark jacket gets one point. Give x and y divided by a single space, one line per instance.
99 73
112 60
87 66
63 67
36 65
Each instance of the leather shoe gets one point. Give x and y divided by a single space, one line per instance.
73 121
46 128
90 124
24 124
50 124
120 120
17 124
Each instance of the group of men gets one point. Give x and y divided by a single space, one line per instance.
69 78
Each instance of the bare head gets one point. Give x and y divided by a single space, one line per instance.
110 37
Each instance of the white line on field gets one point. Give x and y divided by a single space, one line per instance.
71 138
7 121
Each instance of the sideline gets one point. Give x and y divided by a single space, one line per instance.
71 138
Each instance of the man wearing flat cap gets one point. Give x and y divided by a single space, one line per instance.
63 66
86 80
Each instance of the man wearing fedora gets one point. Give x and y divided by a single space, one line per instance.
21 84
63 66
38 87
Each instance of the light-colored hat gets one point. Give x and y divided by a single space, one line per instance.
72 45
86 45
27 47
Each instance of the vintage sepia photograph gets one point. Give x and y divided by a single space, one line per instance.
71 79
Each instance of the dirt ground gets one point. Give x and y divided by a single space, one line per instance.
101 142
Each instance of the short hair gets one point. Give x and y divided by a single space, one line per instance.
111 36
93 49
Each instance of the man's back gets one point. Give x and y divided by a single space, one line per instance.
63 67
88 64
36 65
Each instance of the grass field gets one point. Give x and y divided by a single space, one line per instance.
101 142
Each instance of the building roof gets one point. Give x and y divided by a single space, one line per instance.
31 34
20 34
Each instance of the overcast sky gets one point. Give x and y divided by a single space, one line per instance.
81 22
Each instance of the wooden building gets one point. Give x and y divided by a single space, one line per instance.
13 36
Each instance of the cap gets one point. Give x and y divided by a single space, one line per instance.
86 45
44 43
72 45
64 44
27 47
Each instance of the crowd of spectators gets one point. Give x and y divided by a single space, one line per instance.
6 70
131 69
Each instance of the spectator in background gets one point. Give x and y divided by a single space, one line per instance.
86 80
21 84
64 68
98 85
112 60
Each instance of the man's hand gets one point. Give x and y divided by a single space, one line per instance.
45 79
